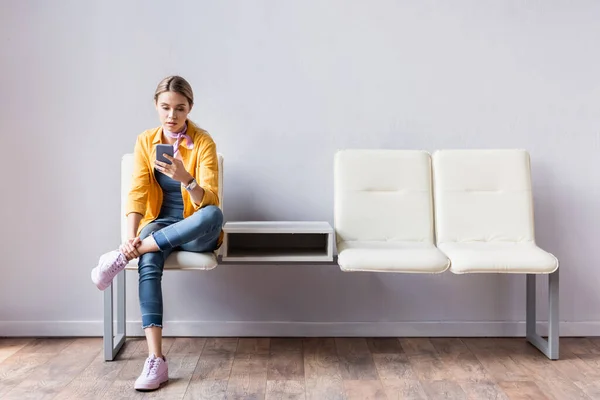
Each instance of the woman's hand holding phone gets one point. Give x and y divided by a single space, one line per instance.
175 170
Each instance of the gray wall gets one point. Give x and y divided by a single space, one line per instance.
281 86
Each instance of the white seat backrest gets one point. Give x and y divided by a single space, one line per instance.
483 196
126 174
383 195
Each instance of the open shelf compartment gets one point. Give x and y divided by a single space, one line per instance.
278 241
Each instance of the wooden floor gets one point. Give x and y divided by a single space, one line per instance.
320 369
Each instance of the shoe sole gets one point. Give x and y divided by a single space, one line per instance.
150 389
98 284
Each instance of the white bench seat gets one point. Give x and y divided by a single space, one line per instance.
498 257
185 260
412 257
470 211
383 212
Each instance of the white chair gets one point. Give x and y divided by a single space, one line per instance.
485 224
177 260
383 212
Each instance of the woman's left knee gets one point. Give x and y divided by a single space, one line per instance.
212 215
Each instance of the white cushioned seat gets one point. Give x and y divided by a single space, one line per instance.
484 212
498 257
390 257
186 260
383 212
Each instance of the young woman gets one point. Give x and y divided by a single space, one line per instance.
171 206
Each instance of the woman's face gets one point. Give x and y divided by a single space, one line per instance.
173 109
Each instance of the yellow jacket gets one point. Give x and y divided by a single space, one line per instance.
145 196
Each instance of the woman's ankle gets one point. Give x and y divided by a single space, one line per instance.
148 245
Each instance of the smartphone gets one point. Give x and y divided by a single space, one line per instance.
164 148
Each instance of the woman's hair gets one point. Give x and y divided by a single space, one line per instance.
175 84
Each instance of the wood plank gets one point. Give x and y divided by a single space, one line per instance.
248 378
9 346
574 368
210 378
395 372
560 388
186 346
595 341
281 345
17 367
590 387
356 361
286 361
404 389
393 366
253 346
443 390
542 370
218 346
579 346
49 379
384 345
213 367
285 390
487 390
457 357
293 368
424 359
583 354
322 370
94 381
122 386
207 390
364 390
47 346
592 360
496 359
522 390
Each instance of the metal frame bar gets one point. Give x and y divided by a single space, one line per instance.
550 346
114 341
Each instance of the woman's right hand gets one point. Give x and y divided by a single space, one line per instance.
129 248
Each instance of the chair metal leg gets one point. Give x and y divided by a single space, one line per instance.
121 299
548 347
113 343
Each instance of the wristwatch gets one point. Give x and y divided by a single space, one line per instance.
191 186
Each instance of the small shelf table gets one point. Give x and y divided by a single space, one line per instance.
277 241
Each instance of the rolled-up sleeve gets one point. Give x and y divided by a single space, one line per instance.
208 171
137 199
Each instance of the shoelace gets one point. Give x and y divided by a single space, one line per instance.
153 367
149 365
116 265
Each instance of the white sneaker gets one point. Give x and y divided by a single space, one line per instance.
155 373
109 266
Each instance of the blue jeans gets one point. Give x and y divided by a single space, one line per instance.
199 233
